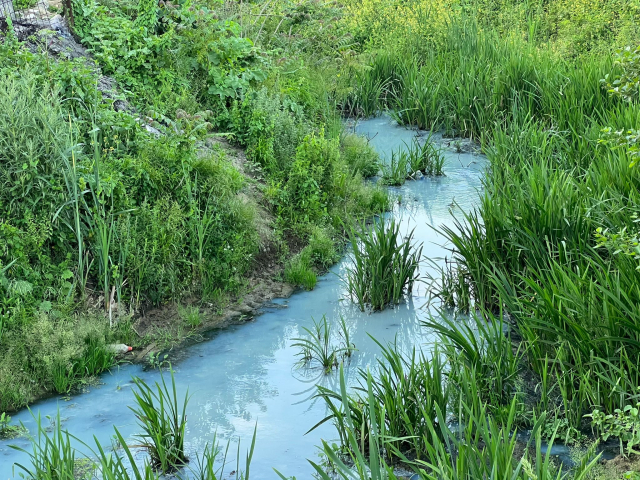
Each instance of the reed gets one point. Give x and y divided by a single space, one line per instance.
384 265
405 389
425 157
52 456
395 172
317 346
163 419
473 445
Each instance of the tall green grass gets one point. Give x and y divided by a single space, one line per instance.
468 445
54 453
163 419
385 265
405 389
529 248
318 345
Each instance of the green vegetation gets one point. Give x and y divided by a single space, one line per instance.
7 430
479 448
163 420
54 457
412 160
318 345
385 265
93 210
99 218
547 263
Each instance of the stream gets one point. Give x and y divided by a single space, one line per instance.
246 375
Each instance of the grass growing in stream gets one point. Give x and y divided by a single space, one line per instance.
162 417
385 265
95 211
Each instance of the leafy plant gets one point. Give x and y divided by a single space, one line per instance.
623 424
425 157
7 430
396 171
298 271
360 155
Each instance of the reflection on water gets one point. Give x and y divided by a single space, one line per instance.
246 374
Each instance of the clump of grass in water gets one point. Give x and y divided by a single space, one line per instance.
396 171
163 421
317 345
54 457
385 265
425 158
454 290
406 388
475 445
408 161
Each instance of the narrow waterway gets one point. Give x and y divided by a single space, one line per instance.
246 375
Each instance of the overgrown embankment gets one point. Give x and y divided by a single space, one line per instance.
101 219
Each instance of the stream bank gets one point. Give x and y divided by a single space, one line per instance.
245 375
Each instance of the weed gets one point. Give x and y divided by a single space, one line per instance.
52 457
9 431
384 265
318 347
298 271
321 248
190 316
425 157
623 424
360 155
163 420
396 171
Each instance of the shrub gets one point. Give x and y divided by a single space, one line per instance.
35 138
360 155
307 190
317 346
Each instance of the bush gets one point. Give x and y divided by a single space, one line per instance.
36 137
360 155
303 197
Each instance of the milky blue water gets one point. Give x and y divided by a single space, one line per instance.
245 375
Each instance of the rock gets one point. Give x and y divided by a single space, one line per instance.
153 131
